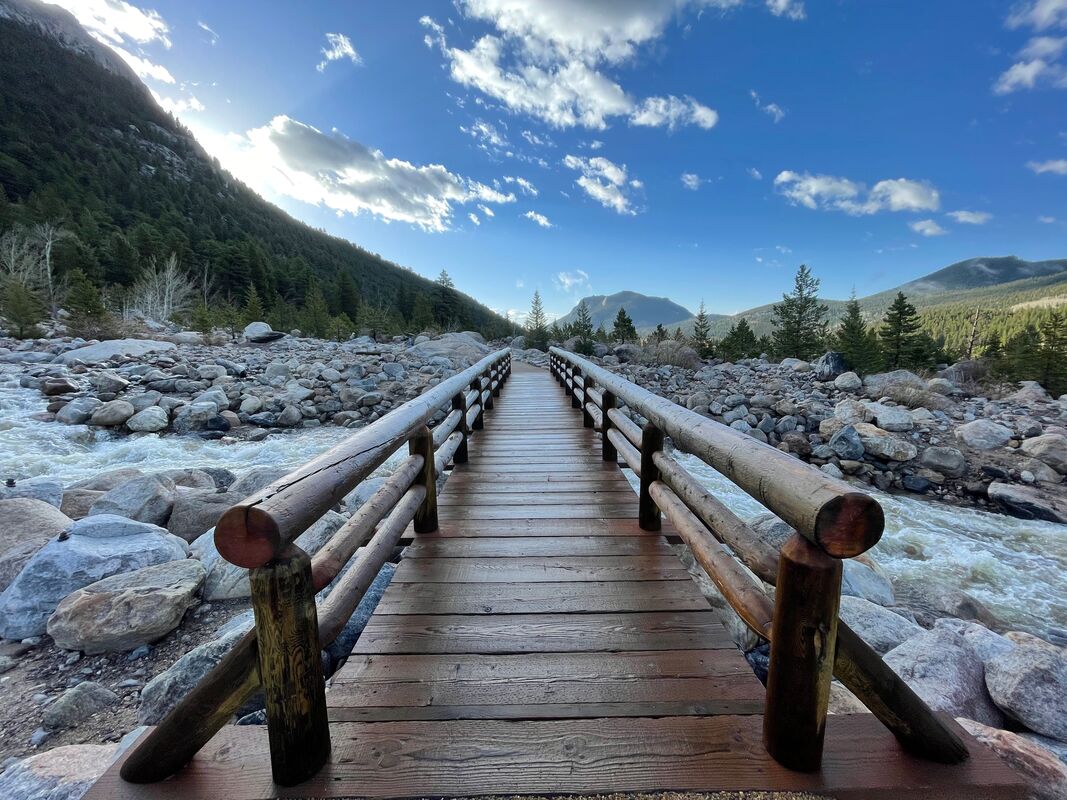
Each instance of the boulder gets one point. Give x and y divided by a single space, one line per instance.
863 580
112 413
771 530
253 329
146 499
1029 392
931 599
949 461
918 398
106 481
1030 502
26 525
44 489
52 387
829 366
63 773
109 382
890 418
455 346
151 420
941 386
103 351
881 628
846 443
165 690
1029 683
986 644
196 511
78 411
945 672
89 550
884 444
248 483
1050 448
1045 774
852 411
983 434
848 382
77 502
78 704
127 610
879 384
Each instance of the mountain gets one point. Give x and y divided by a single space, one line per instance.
645 311
976 273
83 142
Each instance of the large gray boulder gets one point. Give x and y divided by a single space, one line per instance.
890 418
1050 448
949 461
127 610
944 671
1043 502
863 580
195 511
226 581
103 351
884 444
88 551
151 420
26 525
147 499
106 481
64 773
880 384
985 643
828 366
78 411
46 490
847 444
250 482
165 690
459 347
848 382
881 628
983 434
78 704
1029 684
931 599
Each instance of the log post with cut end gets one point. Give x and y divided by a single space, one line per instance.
459 403
608 450
648 515
290 665
587 418
421 444
803 642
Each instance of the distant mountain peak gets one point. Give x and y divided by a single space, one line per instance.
975 273
644 310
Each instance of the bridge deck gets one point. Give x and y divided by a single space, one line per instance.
513 640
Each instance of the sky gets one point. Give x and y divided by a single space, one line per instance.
694 149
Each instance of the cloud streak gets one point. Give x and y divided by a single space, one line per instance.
338 47
830 192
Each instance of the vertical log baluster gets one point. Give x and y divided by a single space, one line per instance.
421 444
459 402
648 515
608 450
476 385
575 402
587 418
290 666
804 636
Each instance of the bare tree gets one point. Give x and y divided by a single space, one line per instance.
20 260
164 290
47 234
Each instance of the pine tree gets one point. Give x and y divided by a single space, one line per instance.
800 320
342 328
445 280
537 324
201 319
22 309
88 316
659 334
740 342
1052 358
583 329
991 347
253 310
901 343
702 332
315 317
855 341
1019 360
624 330
422 314
348 296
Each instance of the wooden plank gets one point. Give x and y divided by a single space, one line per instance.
465 758
541 569
573 511
711 704
529 546
541 598
540 527
543 633
462 483
594 498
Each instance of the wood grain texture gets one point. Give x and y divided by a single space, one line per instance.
528 546
541 569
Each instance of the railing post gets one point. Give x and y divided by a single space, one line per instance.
290 666
421 444
575 402
476 385
499 370
459 403
647 511
489 393
587 418
804 637
607 448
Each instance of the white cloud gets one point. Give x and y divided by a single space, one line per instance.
655 112
1039 15
1030 74
793 9
1050 47
540 219
338 46
179 106
829 192
781 248
971 217
773 110
486 210
691 181
572 281
596 144
1055 167
520 284
604 181
289 158
537 140
116 22
1046 220
523 184
1039 62
755 174
927 227
474 218
207 29
143 67
486 133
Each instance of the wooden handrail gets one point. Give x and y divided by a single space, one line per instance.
825 510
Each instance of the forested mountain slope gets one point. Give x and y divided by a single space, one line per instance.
645 311
84 143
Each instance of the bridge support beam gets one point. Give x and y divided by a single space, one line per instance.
803 644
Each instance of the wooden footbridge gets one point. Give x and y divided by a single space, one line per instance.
540 636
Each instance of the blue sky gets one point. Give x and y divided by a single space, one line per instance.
687 148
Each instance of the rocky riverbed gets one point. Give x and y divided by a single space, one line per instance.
115 602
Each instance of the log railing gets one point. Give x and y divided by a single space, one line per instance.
281 654
809 644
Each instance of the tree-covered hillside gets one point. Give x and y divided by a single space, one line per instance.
645 311
89 150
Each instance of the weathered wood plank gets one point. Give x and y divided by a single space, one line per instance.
573 511
594 498
529 546
540 527
541 569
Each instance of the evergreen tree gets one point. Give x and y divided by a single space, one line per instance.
22 309
702 332
624 330
445 280
228 317
1052 357
537 324
740 342
602 334
253 310
856 342
422 313
342 327
348 296
902 345
679 336
315 317
201 319
583 329
88 316
991 347
659 334
1019 360
800 320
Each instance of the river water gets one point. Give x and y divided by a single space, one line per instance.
1016 567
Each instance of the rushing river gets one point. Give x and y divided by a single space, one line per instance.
1016 567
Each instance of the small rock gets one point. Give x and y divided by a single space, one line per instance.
983 434
150 420
78 703
112 413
